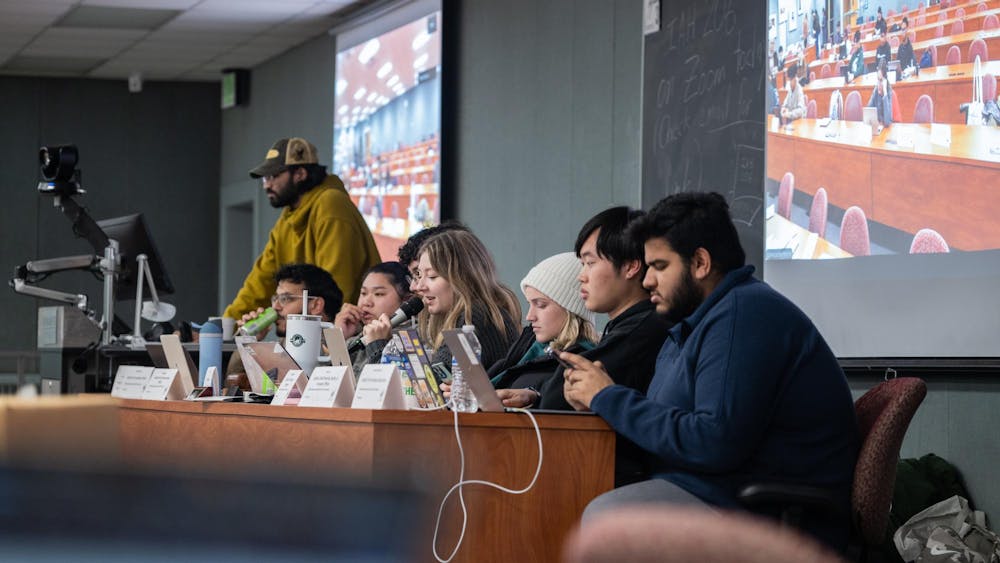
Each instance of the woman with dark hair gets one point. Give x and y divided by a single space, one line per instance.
385 287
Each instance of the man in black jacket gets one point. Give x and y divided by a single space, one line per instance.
611 283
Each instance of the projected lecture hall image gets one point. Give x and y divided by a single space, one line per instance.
891 144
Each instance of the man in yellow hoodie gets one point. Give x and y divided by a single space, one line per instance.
319 225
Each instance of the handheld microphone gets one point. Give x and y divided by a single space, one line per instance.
407 310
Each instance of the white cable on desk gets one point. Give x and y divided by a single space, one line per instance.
462 482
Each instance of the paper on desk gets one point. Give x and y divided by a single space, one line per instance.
807 247
940 134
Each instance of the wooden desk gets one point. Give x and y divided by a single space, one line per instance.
805 245
946 188
949 87
578 461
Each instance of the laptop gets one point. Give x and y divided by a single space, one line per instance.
473 371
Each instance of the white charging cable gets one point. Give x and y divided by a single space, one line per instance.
462 482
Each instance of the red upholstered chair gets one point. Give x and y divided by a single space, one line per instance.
852 107
923 111
653 533
923 8
928 241
958 27
812 76
978 47
785 191
991 22
960 13
939 31
894 42
854 232
890 13
942 13
921 20
982 7
989 87
897 113
954 55
817 213
934 58
884 414
826 71
811 109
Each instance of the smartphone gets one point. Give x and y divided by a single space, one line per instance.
562 362
442 373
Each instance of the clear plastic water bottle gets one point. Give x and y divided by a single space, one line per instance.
462 399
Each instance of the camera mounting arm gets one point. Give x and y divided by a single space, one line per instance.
83 224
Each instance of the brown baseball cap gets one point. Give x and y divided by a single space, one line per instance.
285 153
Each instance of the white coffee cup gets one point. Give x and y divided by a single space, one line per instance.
303 340
228 327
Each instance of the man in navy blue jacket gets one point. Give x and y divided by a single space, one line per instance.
745 389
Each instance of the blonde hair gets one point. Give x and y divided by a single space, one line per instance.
462 259
575 328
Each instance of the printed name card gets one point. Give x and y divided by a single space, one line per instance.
213 380
329 386
379 387
130 381
291 387
163 385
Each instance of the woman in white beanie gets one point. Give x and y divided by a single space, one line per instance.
557 320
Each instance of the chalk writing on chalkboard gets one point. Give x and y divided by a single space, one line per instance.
703 107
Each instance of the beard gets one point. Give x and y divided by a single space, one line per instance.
684 300
287 195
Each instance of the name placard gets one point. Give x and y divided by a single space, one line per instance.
130 381
379 387
329 386
164 384
291 387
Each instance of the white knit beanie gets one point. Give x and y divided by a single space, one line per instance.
556 278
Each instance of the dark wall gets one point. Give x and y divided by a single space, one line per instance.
155 152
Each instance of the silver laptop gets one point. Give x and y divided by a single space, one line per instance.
473 371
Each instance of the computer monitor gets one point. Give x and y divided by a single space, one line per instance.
134 239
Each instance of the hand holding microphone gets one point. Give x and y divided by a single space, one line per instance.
381 328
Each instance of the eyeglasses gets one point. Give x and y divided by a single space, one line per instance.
268 178
287 298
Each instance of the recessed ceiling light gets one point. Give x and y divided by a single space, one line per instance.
368 51
420 61
386 69
420 40
360 93
392 81
371 97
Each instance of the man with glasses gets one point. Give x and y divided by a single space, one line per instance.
325 300
319 225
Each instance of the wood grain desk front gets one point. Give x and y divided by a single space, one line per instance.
578 462
949 87
946 188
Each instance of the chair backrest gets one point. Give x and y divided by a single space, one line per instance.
954 55
884 414
991 21
897 113
854 232
785 191
921 20
826 71
928 241
942 13
939 31
960 13
978 47
982 7
923 112
648 533
890 13
811 109
933 50
989 87
817 213
958 27
852 107
812 75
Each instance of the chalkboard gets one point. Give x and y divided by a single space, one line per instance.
703 108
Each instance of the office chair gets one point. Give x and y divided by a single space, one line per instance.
928 241
978 48
664 533
954 55
817 213
852 107
785 191
884 414
923 111
854 232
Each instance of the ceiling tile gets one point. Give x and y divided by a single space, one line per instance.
151 4
88 42
111 17
76 65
